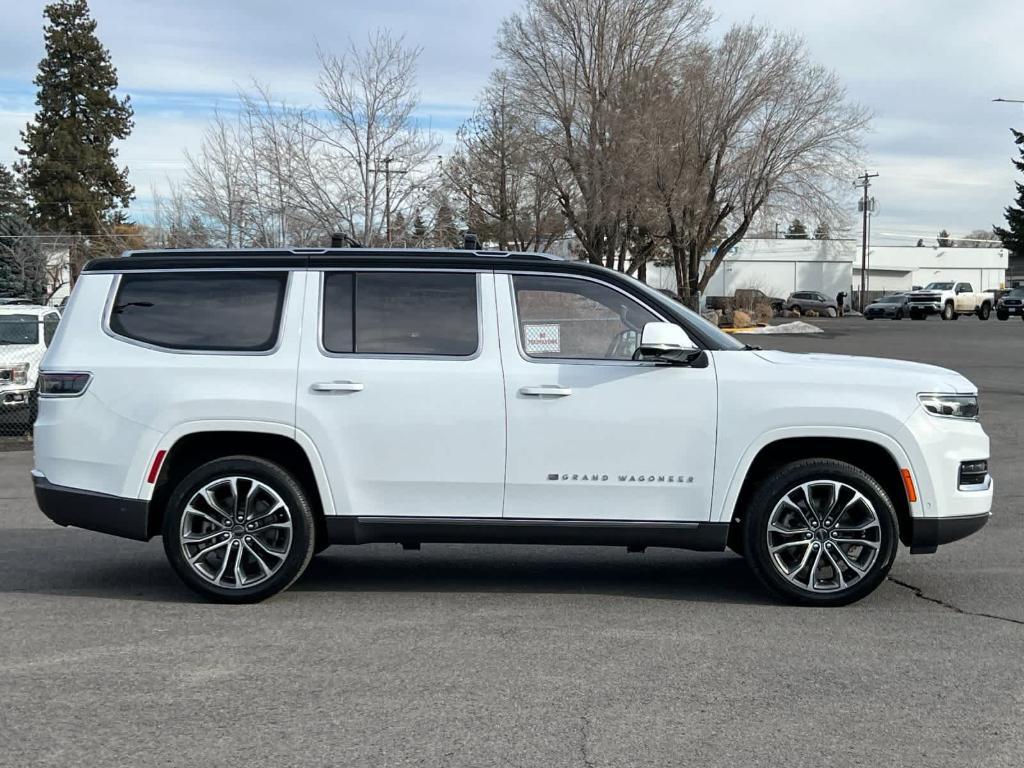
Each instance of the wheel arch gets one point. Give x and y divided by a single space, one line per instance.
872 457
193 448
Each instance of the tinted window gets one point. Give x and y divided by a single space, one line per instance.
562 317
401 313
221 311
19 329
50 327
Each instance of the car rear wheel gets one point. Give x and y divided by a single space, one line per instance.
820 532
239 530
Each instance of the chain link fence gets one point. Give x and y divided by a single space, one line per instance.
24 334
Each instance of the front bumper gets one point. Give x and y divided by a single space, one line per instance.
100 512
925 308
1015 309
15 399
927 533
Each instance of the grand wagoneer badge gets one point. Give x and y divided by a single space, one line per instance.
597 478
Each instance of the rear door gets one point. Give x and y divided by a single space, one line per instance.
593 434
400 389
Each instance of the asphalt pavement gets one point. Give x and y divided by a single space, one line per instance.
529 656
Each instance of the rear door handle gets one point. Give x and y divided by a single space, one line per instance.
337 386
546 391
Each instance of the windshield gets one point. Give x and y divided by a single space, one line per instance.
1017 293
939 287
19 329
722 340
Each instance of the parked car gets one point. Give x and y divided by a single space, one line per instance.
949 300
803 301
25 333
1011 303
745 298
894 307
255 407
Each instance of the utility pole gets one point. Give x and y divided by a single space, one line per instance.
864 182
387 171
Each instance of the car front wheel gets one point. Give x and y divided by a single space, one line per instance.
948 313
984 311
1002 314
239 530
820 532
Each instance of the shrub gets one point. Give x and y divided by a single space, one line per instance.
741 319
763 312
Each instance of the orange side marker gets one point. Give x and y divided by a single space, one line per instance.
908 484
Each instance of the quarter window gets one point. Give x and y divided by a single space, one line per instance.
50 327
567 318
212 311
401 313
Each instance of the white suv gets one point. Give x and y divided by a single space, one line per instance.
26 331
254 407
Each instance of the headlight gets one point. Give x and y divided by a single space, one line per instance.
19 373
951 406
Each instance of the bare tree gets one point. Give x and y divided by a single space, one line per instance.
745 128
500 175
372 138
576 67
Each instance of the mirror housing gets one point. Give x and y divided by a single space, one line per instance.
667 343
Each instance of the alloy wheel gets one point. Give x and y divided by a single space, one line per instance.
824 536
236 532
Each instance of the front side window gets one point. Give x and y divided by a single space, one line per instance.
401 313
569 318
204 311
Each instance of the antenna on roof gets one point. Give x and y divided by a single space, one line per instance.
470 242
343 240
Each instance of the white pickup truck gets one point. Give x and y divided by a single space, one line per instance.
949 300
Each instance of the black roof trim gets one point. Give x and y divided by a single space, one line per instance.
300 258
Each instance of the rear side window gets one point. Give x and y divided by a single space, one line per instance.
211 311
401 313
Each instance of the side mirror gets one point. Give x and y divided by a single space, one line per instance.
666 343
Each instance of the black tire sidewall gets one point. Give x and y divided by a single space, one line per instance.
290 491
755 524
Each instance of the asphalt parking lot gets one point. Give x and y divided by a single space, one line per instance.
529 656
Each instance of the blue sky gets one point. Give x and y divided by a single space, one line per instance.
927 68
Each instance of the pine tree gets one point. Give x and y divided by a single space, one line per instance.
444 234
69 167
14 215
1013 235
944 239
796 231
419 228
821 232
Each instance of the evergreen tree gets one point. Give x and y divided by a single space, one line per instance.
444 234
419 228
796 231
14 215
920 242
68 165
1013 235
821 232
944 239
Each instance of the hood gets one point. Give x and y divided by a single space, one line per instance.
872 370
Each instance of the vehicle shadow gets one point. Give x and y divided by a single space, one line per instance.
82 564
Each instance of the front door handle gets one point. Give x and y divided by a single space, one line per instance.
546 391
337 386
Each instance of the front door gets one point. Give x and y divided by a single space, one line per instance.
593 434
400 389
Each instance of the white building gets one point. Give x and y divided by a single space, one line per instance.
781 267
899 268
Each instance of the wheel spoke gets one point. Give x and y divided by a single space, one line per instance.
813 578
835 568
861 542
242 563
789 545
853 566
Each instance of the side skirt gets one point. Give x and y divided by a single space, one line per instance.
704 537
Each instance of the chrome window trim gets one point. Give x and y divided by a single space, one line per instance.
321 278
116 284
575 360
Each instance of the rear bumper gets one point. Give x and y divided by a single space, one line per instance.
927 533
115 515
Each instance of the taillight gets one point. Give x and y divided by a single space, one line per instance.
63 384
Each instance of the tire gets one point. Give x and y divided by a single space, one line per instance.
948 313
868 317
819 580
898 315
1002 314
284 544
984 311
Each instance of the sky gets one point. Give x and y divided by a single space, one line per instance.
927 69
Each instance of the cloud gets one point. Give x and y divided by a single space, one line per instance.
927 69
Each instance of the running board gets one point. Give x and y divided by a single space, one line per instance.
410 531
